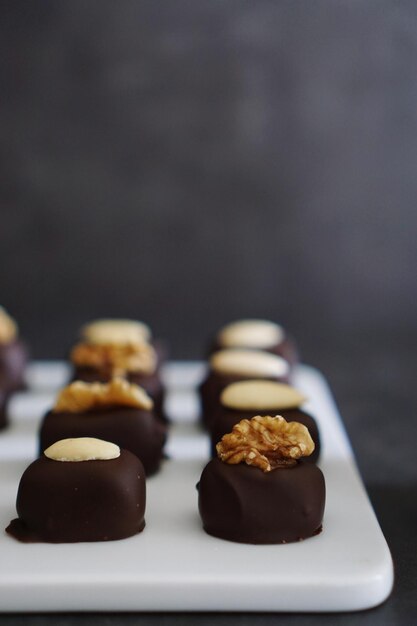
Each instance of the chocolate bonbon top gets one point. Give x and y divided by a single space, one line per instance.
248 363
80 449
116 359
116 331
259 395
251 333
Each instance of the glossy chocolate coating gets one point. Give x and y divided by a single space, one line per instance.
151 384
13 360
224 420
130 428
286 349
65 502
211 388
3 409
244 504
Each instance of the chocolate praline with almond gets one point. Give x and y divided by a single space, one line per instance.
91 500
230 366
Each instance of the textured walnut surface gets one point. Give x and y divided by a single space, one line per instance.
266 442
116 359
80 396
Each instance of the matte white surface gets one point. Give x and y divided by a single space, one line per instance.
173 565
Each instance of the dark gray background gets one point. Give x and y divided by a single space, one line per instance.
187 163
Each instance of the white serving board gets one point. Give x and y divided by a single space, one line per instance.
174 565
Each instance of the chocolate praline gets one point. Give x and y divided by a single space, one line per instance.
66 502
134 429
244 504
224 419
13 360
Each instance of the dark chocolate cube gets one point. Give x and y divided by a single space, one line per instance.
64 501
244 504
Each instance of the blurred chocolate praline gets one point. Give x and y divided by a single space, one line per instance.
127 331
13 360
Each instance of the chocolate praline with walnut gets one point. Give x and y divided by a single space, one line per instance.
257 490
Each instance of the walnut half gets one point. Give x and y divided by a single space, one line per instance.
266 442
79 396
116 359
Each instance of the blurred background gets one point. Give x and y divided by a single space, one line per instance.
187 163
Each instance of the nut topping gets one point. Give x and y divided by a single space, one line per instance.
261 395
8 327
266 442
251 334
82 449
251 363
115 359
116 331
79 396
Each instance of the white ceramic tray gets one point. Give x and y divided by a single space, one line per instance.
173 565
